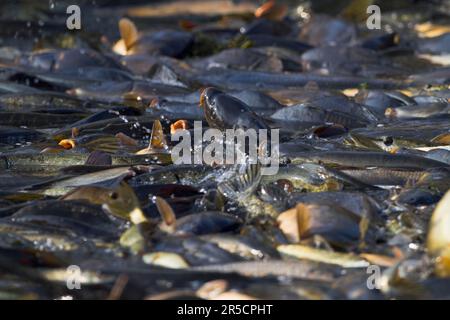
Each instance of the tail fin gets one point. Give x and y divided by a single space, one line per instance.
128 32
243 184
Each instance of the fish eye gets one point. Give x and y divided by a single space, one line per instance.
388 141
114 195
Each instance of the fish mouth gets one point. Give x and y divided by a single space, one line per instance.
137 216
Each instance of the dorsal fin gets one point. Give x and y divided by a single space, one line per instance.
157 139
126 140
243 184
167 214
128 32
98 158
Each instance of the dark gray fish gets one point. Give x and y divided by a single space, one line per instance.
13 135
312 114
38 120
276 268
254 80
366 159
71 59
206 223
166 42
223 111
76 217
240 59
357 202
385 176
196 251
51 162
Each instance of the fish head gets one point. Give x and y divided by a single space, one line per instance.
123 202
210 106
207 95
384 142
120 201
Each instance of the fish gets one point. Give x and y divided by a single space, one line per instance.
166 42
318 219
51 162
120 201
37 120
243 245
72 217
308 113
359 203
335 258
17 135
69 59
240 59
175 109
302 269
418 111
48 102
62 185
393 137
360 159
305 177
223 111
385 176
253 80
194 224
